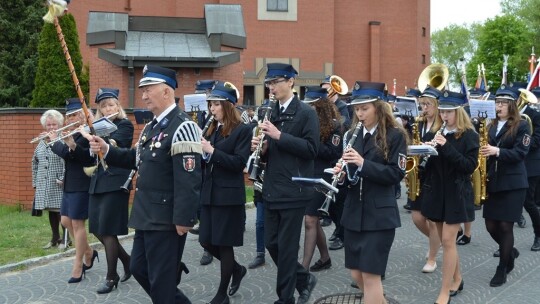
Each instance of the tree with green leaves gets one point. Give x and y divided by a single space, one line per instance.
20 25
53 83
451 46
502 35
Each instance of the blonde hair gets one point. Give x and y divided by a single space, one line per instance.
463 122
121 112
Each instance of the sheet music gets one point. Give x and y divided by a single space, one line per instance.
421 150
482 108
195 103
407 106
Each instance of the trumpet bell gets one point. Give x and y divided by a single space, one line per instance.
337 86
435 75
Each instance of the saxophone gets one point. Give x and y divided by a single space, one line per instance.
479 176
412 178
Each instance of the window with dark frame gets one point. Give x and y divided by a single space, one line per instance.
423 59
277 5
423 32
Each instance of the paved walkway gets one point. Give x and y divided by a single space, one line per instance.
404 281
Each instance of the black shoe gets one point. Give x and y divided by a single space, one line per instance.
181 268
126 276
95 255
536 244
513 256
325 222
336 244
455 292
499 278
258 261
464 240
497 253
320 265
407 206
333 236
354 285
77 280
206 258
306 292
194 230
522 222
108 286
237 277
459 234
477 207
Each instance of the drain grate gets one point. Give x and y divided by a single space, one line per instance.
347 298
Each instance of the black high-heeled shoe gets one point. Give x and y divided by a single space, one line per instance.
77 280
455 292
108 286
95 255
126 276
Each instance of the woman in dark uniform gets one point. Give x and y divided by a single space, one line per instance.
226 149
427 129
108 209
447 187
509 140
330 149
375 163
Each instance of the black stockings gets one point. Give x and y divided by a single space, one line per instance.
225 254
503 234
54 221
114 251
314 235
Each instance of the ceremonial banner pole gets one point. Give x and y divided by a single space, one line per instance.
57 9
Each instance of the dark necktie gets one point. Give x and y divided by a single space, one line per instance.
282 109
366 140
153 123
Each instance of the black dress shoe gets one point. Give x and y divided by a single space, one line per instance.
354 285
513 256
336 244
455 292
333 236
108 286
536 244
95 255
459 234
306 292
237 277
522 223
77 280
257 262
499 278
407 206
497 253
126 276
464 240
206 258
325 222
320 265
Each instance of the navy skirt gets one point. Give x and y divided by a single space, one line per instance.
222 225
368 251
75 205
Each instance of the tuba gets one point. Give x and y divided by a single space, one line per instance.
337 86
435 75
524 99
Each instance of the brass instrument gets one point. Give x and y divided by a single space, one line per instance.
338 176
337 86
44 136
412 178
255 158
479 176
526 97
435 75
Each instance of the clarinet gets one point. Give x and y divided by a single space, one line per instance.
434 144
257 152
125 186
338 176
207 125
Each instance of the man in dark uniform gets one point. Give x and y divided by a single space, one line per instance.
168 158
291 144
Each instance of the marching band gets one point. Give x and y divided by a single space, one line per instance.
203 166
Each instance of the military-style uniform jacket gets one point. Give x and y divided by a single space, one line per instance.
223 179
371 202
329 152
507 171
291 155
447 188
75 179
532 161
169 176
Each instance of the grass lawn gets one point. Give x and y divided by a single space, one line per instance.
23 235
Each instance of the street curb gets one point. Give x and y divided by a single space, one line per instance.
19 266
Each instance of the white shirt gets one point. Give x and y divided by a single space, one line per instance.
165 113
286 104
500 125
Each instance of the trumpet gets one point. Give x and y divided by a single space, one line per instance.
41 137
338 176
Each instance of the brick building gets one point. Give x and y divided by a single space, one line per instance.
228 40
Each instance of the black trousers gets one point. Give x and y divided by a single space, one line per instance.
336 210
530 203
282 229
154 263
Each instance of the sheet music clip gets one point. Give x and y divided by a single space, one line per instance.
318 184
421 150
